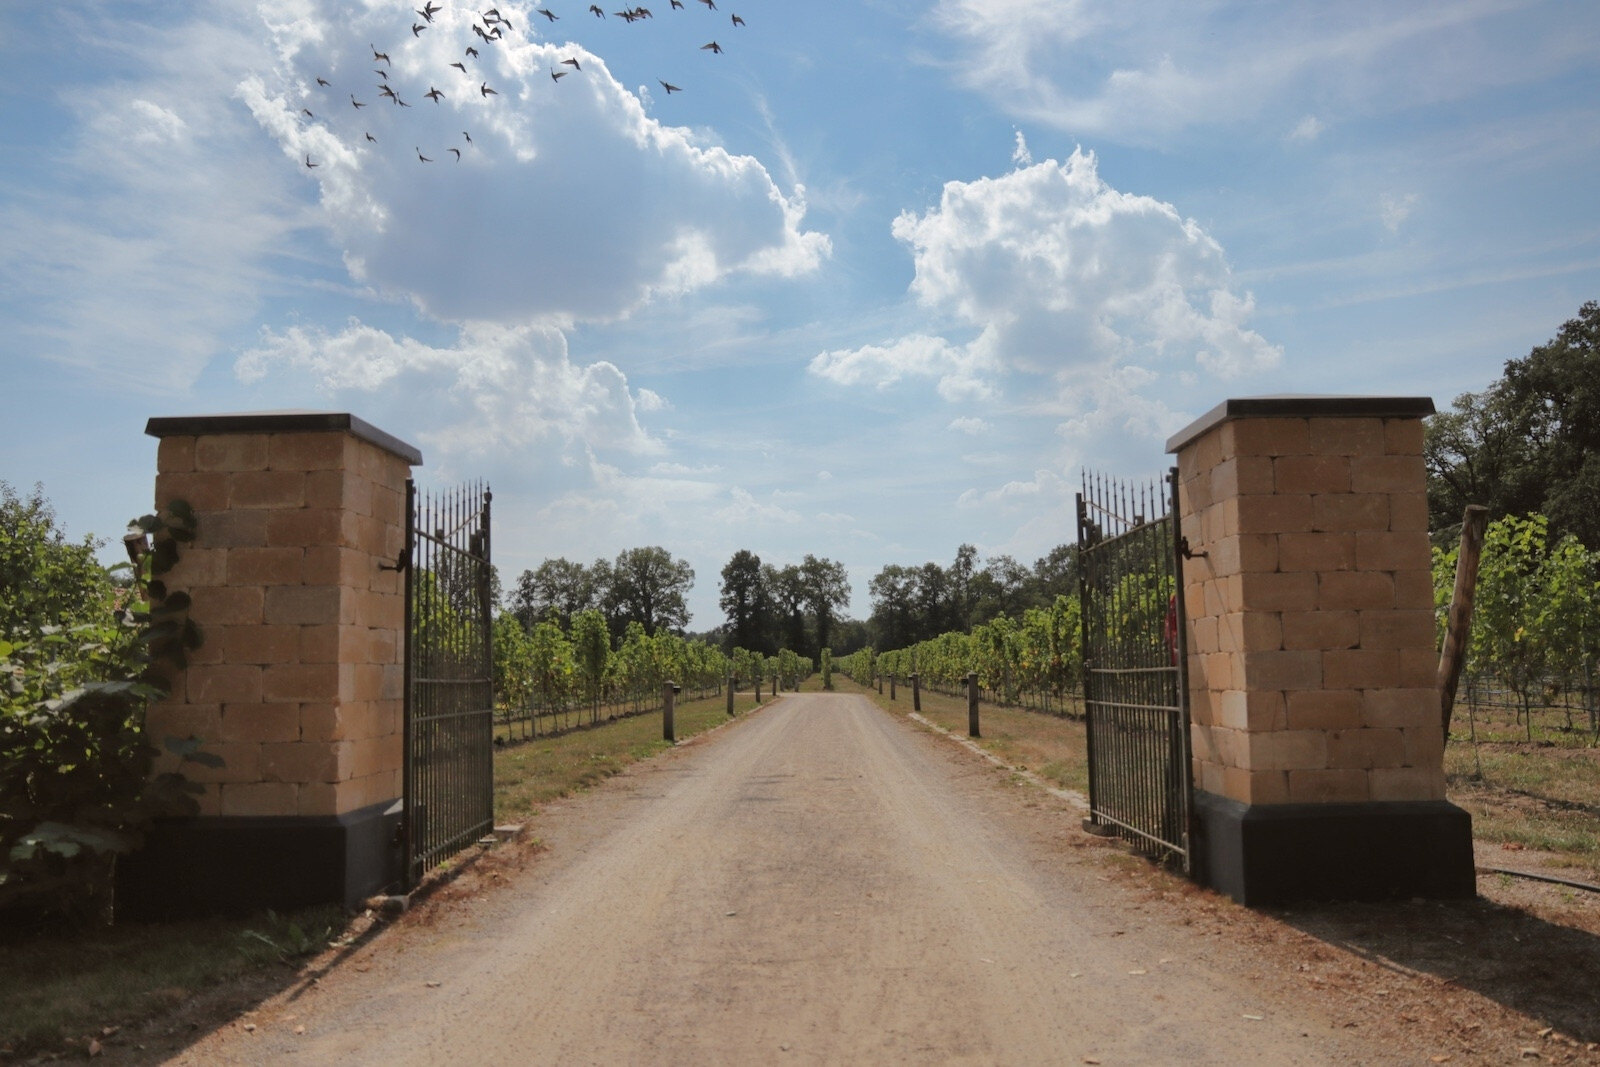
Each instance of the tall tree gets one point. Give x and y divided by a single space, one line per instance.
648 586
746 602
556 585
1528 443
827 590
788 588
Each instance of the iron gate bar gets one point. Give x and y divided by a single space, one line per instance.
449 689
1135 670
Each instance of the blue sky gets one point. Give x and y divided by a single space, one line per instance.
882 278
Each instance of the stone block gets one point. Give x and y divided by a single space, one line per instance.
332 720
311 451
1344 436
304 528
231 452
266 566
1365 749
1325 709
1252 710
234 529
1354 591
1401 707
268 489
1406 783
1281 591
1392 551
1266 437
325 643
308 762
205 491
1255 787
1413 589
1283 670
1387 474
1424 746
1316 551
297 682
1286 750
1408 512
1281 513
166 719
289 605
222 683
1398 628
1305 630
260 723
1311 474
325 490
1329 786
1351 511
175 454
258 645
222 605
1403 436
1418 668
1361 668
260 798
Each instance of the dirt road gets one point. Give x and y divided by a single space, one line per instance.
819 883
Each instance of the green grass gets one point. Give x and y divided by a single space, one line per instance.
1049 746
68 987
530 773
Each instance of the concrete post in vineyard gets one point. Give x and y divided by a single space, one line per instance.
916 691
730 695
669 696
892 679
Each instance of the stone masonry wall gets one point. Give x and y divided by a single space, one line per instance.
1312 651
298 684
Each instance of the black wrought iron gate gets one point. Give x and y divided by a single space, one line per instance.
449 679
1135 687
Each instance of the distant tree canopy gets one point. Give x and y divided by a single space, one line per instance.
918 603
45 580
643 585
1528 443
796 606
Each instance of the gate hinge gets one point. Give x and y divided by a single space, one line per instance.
1186 551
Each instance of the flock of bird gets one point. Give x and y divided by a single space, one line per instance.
489 27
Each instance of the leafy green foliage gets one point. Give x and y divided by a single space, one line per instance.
1528 443
81 657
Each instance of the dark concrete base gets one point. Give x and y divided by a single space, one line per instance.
234 865
1281 853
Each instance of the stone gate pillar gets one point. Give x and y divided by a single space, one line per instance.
1318 752
298 685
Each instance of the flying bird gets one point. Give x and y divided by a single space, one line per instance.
433 94
677 4
307 113
471 51
462 67
595 10
380 72
371 138
737 21
384 90
457 151
712 4
486 91
429 10
573 63
467 135
377 55
401 102
417 28
670 88
311 164
557 75
422 157
713 46
547 13
354 102
323 81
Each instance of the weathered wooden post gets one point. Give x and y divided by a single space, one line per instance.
880 685
916 691
730 695
972 704
892 694
669 693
